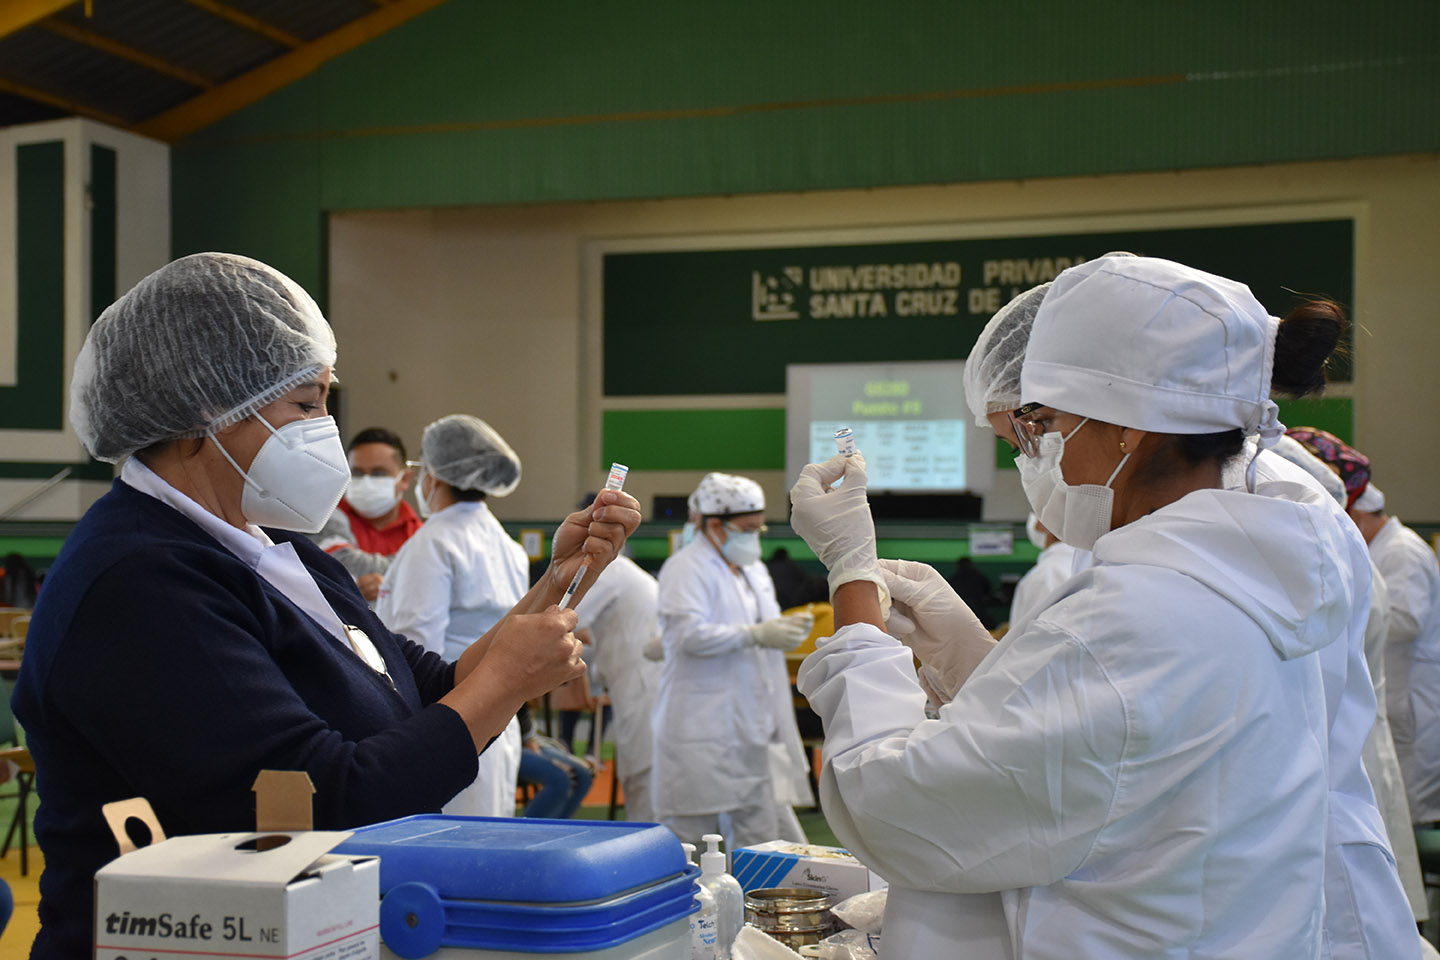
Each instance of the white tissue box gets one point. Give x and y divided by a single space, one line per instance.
781 863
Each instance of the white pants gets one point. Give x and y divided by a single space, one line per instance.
740 828
492 794
638 806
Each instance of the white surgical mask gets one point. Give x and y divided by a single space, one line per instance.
297 477
1077 514
422 502
372 496
741 546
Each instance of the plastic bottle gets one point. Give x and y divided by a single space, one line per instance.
729 898
703 932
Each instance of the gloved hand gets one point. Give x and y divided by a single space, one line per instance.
837 524
654 650
780 633
929 617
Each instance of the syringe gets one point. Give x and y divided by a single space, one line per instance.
616 481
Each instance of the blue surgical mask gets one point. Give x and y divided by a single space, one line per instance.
741 547
687 533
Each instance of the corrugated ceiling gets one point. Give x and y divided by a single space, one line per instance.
168 67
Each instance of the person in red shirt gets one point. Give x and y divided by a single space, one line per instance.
373 519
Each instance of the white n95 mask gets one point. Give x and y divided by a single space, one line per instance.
1079 514
741 547
297 477
372 497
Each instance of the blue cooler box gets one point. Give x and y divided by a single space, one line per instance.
523 885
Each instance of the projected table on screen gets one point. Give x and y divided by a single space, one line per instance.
910 422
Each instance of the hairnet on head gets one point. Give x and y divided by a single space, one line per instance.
1154 345
723 495
468 454
1352 465
992 371
1294 451
201 343
1371 501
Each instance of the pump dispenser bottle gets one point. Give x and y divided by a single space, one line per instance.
703 933
729 898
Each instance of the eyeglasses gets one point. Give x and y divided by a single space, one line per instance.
763 528
1027 433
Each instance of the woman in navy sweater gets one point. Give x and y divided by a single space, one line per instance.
178 648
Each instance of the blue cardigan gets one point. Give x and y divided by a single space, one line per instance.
158 664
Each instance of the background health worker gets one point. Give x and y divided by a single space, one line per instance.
179 648
726 743
373 521
459 574
1129 782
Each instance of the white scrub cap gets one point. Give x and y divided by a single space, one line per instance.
1294 451
468 454
721 494
1371 501
992 371
1154 345
201 343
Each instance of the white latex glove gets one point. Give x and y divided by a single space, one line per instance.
837 524
930 618
654 650
780 633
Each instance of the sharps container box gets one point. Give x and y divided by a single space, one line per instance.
275 893
482 888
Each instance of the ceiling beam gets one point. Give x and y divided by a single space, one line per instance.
254 24
62 103
19 14
205 109
115 48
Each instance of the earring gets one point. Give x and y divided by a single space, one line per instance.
1122 444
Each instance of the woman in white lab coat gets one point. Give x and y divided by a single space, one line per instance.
726 742
620 614
1140 769
1412 649
459 574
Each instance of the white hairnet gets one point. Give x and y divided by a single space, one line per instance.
201 343
992 371
468 454
1154 345
721 494
1294 451
1371 501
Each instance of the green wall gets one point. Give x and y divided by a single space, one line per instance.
480 103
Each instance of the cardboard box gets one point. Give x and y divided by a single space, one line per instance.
781 863
252 895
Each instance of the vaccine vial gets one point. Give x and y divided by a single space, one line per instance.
616 480
845 441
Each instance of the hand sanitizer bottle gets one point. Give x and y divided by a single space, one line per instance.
729 898
703 924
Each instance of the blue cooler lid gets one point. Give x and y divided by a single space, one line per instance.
519 859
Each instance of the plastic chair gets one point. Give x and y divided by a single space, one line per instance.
24 781
20 626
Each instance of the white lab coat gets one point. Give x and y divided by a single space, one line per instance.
620 611
1056 564
724 720
1412 661
1381 762
1137 771
450 582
